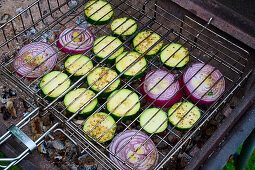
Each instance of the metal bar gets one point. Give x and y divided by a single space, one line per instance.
236 66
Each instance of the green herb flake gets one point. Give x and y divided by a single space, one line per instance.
210 93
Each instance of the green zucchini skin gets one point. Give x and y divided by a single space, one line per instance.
54 83
172 62
128 24
111 44
101 128
118 98
110 75
186 123
75 106
94 18
155 122
150 38
124 60
76 61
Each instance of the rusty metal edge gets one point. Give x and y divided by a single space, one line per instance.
240 27
218 136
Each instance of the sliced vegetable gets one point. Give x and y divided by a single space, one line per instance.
124 60
35 59
174 55
136 148
123 103
98 12
155 124
103 131
104 45
99 84
204 86
181 112
75 40
144 40
78 65
75 99
124 27
161 86
54 84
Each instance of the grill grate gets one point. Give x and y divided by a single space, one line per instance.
204 46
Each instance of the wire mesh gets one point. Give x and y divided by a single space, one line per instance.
54 16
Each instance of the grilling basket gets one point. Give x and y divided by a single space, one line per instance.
120 78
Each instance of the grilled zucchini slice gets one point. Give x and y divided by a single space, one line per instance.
124 60
189 118
144 40
98 12
174 55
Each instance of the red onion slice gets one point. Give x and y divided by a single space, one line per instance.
165 81
33 55
75 40
195 79
129 147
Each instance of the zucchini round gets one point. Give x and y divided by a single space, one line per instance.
124 60
54 84
121 103
144 40
171 57
74 62
157 124
79 101
98 12
103 81
104 45
175 115
107 124
124 27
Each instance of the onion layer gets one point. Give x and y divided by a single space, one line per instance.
35 59
124 147
166 89
209 76
75 40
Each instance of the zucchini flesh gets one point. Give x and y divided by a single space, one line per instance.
105 125
124 26
178 56
121 105
144 40
124 60
79 101
78 64
103 81
157 124
98 12
104 45
176 115
54 84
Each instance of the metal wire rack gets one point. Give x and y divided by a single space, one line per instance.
204 46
